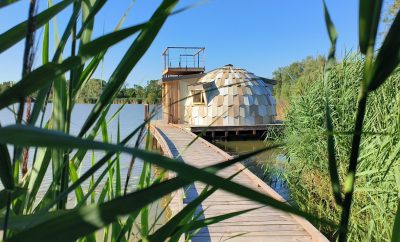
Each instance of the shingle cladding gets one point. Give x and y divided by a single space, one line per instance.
233 97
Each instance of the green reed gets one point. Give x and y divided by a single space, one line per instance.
377 190
26 214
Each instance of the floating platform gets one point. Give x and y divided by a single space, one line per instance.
252 132
263 224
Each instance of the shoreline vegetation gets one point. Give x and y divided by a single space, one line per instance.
307 171
308 113
342 136
90 93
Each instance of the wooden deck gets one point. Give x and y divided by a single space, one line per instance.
264 224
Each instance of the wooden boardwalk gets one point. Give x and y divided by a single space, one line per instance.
264 224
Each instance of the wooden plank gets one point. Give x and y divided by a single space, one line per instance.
263 224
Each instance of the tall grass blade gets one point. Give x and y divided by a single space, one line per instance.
6 174
368 21
88 20
15 193
87 7
42 92
4 3
79 222
197 224
396 226
37 175
90 192
331 31
106 41
29 136
132 56
74 177
59 124
67 32
181 218
333 168
17 33
388 57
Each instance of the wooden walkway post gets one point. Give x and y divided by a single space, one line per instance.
146 111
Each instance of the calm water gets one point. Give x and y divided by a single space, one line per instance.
269 165
130 117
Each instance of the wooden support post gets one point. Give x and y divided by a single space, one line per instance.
213 134
254 132
146 111
226 135
237 132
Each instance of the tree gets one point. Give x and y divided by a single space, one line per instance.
153 92
5 85
292 79
391 12
91 91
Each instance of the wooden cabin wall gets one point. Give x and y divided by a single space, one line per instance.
171 101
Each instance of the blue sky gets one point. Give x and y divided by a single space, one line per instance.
259 35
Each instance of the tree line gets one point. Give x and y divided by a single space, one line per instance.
149 93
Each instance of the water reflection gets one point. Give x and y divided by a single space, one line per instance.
268 166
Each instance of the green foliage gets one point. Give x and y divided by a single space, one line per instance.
391 11
150 94
5 85
28 213
292 80
376 193
98 210
91 91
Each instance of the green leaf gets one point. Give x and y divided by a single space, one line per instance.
368 21
93 214
76 223
106 41
36 80
88 18
388 57
59 124
331 31
87 6
396 226
167 229
17 192
91 190
4 3
333 168
216 219
22 222
130 59
17 33
6 174
67 32
74 177
183 217
32 136
36 176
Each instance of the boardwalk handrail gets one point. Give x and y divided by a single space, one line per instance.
176 203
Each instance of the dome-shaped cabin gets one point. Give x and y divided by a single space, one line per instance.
230 96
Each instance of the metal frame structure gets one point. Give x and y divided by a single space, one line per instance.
183 61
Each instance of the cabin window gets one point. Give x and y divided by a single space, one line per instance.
198 97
